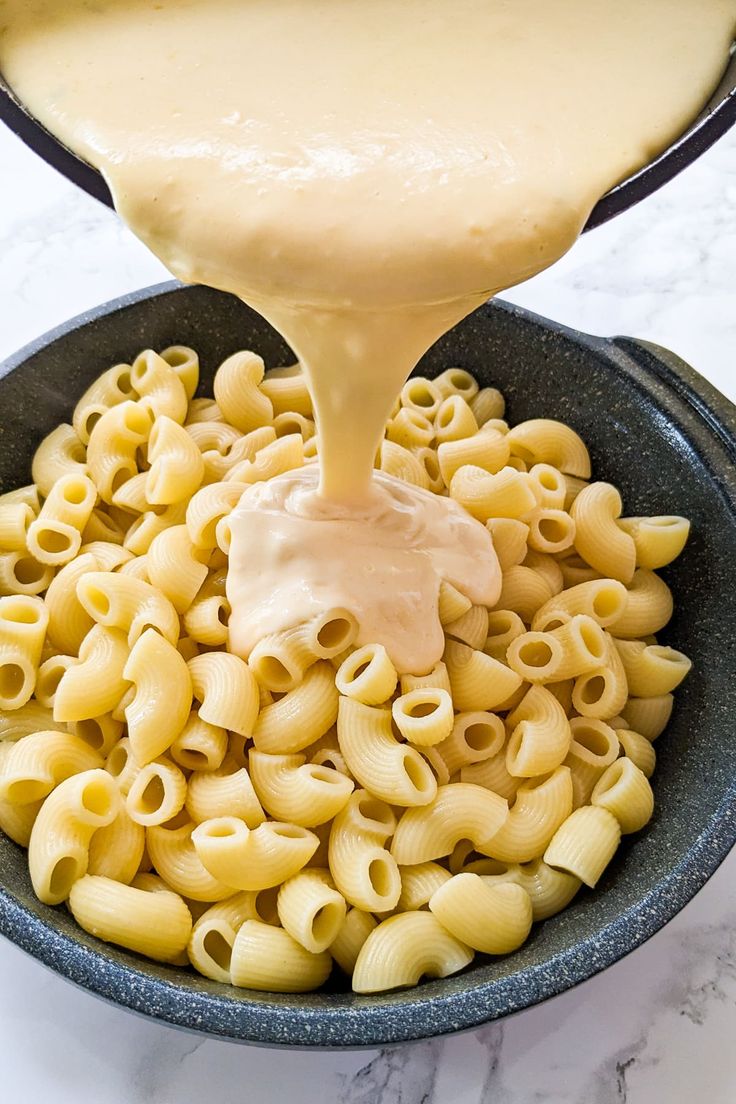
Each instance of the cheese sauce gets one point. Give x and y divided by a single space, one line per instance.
364 173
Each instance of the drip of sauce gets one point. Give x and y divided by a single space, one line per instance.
393 552
364 173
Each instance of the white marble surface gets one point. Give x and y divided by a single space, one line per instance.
660 1025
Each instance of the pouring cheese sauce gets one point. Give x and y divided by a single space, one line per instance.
364 173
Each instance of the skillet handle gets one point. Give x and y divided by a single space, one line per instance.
710 403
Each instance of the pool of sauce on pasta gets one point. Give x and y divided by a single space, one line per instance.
364 174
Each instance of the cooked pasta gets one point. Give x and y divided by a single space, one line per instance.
424 716
540 806
207 507
116 851
489 451
598 539
651 670
346 946
487 404
523 591
393 771
368 675
364 871
35 765
311 910
474 737
549 485
602 691
162 700
280 660
265 815
60 453
459 812
576 647
471 628
175 567
452 604
604 600
185 363
109 389
265 957
252 858
119 601
148 525
176 465
493 774
638 749
418 883
504 494
585 843
158 386
595 745
301 716
23 624
199 746
226 690
539 734
213 935
153 923
649 716
290 789
243 404
157 793
624 790
478 681
55 536
493 918
228 787
549 890
510 537
58 850
175 857
657 540
96 683
437 679
406 948
545 441
287 389
22 574
113 446
410 429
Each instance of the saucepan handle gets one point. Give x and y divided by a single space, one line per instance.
710 403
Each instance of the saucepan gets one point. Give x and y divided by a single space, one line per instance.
656 430
713 121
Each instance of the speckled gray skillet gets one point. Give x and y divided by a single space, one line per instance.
666 438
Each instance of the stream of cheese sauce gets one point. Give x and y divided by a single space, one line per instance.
364 173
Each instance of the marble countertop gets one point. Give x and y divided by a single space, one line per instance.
659 1026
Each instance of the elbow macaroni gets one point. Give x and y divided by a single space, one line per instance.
292 790
492 918
365 873
293 802
58 850
23 624
394 772
256 858
405 948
